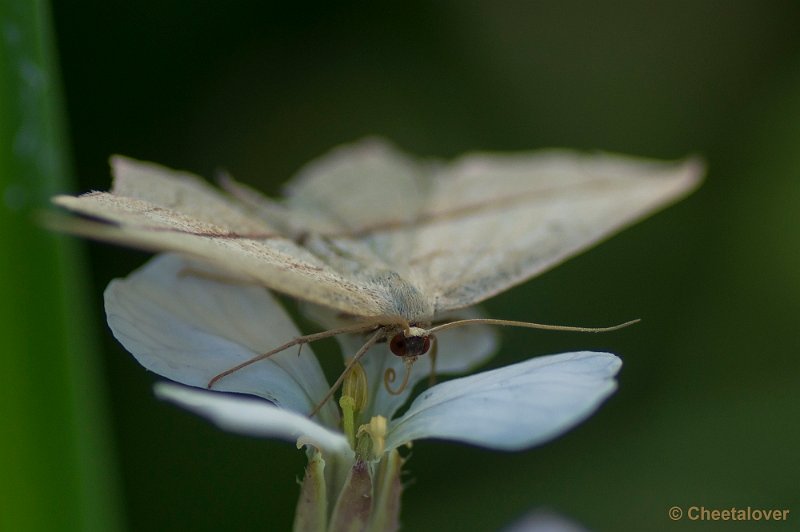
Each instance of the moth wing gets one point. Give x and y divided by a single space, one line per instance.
493 221
181 192
352 191
246 248
338 201
273 212
360 186
463 232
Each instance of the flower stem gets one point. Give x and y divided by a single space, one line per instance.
354 507
388 488
312 506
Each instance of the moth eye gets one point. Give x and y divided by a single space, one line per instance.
426 344
398 345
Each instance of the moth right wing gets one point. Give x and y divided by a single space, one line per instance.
493 221
465 231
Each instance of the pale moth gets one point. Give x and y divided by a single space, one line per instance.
382 244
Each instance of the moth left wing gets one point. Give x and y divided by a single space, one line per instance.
161 210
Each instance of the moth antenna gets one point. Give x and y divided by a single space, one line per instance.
390 375
300 340
353 361
529 325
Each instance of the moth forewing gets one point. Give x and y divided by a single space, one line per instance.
277 263
498 226
182 192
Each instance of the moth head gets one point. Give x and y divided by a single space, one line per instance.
410 343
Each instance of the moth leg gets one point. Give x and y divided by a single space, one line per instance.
433 353
350 365
300 340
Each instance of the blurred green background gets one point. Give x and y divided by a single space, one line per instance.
708 410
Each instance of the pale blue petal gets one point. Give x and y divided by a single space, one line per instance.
189 328
254 417
514 407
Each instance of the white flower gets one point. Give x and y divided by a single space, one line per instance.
189 327
544 520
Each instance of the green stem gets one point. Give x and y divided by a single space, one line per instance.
55 463
312 506
387 488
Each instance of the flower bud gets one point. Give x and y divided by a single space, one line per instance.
355 387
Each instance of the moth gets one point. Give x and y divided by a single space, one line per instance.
387 243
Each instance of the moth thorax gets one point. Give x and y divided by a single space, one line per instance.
410 343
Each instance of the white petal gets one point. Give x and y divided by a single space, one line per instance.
254 417
189 328
513 407
544 520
